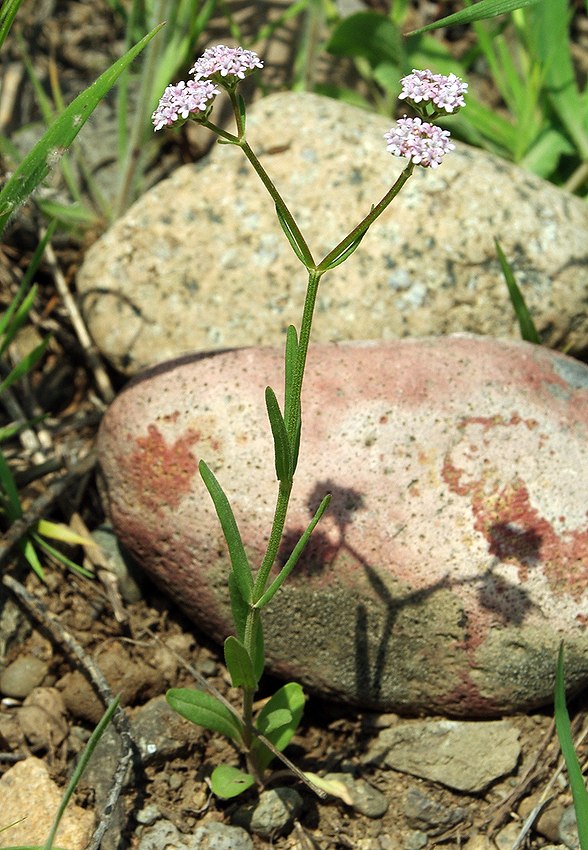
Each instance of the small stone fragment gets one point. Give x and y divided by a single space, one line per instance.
427 814
274 813
28 792
506 838
121 562
19 678
366 799
163 835
160 732
43 719
217 836
568 829
466 756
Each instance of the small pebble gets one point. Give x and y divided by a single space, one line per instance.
508 835
218 836
274 814
367 800
416 840
568 829
148 815
22 676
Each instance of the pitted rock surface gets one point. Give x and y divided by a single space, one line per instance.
200 261
454 556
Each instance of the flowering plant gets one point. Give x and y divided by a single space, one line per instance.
421 143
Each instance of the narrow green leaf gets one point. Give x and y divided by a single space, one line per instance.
62 532
30 553
25 365
227 782
290 366
9 491
239 562
344 254
298 249
46 153
288 698
239 664
282 457
526 324
60 557
205 710
239 607
25 283
564 733
80 768
477 12
7 15
294 557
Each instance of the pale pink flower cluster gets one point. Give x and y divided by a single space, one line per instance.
226 61
423 143
445 92
183 100
223 64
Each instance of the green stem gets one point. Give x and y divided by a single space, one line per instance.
305 329
275 539
374 213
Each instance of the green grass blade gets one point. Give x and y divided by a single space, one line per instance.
478 12
549 25
80 767
526 323
564 733
46 153
26 281
7 16
25 365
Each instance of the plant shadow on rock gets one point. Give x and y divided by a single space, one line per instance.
495 593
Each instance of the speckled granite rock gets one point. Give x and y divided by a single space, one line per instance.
454 556
201 263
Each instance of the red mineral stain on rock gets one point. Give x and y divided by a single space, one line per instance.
163 471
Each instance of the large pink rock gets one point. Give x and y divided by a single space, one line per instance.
454 556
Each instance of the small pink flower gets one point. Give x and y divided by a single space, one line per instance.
226 62
182 100
445 92
423 143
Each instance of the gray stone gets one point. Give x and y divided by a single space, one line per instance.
200 261
416 840
24 674
568 829
122 564
219 836
160 733
163 835
449 565
465 756
507 837
366 799
425 813
273 814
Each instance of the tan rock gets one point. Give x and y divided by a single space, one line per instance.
200 261
27 791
